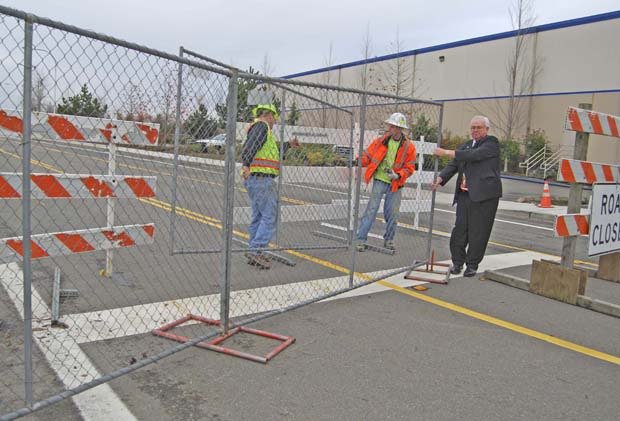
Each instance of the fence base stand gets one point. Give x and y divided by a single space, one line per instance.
272 254
214 344
330 237
279 258
430 268
370 247
57 295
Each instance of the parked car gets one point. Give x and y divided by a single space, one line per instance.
217 141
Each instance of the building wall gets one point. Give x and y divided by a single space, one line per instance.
578 61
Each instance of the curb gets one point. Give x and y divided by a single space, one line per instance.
541 181
582 301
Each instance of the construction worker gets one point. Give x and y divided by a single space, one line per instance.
261 165
389 161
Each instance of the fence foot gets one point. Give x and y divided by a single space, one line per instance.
57 294
214 344
429 267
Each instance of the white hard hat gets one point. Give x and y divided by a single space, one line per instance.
398 120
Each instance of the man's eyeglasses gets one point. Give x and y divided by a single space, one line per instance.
477 127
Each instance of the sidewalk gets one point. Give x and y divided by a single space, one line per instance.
446 199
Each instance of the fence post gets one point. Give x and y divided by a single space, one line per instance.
574 197
282 126
229 195
109 254
418 187
358 185
350 198
177 136
434 193
26 227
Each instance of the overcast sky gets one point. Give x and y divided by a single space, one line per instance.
294 35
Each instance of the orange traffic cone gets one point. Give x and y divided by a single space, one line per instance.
545 199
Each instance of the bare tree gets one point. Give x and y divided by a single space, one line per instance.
39 91
510 115
268 68
511 112
328 61
168 102
135 104
366 71
396 73
521 72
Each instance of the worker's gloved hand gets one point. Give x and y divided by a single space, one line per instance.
392 174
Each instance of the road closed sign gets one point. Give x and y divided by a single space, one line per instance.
604 219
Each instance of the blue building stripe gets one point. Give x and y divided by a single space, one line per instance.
540 28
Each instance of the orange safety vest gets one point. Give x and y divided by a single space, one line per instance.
404 163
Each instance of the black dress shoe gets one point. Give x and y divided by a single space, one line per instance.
456 269
469 272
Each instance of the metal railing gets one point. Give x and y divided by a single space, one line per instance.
534 160
553 160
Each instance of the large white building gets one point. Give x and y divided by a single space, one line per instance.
562 64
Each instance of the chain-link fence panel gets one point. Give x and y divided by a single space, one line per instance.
12 392
161 189
106 118
299 204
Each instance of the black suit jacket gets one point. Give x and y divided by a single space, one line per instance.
481 165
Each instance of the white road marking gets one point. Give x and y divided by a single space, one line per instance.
504 221
62 352
143 318
490 262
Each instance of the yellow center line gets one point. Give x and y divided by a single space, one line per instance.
431 300
198 180
506 325
33 161
506 246
435 301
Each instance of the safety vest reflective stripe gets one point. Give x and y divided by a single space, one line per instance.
265 163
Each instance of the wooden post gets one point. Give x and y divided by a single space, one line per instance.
609 267
574 196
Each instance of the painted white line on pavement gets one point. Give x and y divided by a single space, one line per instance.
490 262
504 221
71 365
143 318
341 228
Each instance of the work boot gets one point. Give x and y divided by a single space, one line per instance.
360 246
259 261
250 258
389 244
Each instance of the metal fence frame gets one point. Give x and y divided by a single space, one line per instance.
227 248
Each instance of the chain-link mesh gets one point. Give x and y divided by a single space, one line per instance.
130 224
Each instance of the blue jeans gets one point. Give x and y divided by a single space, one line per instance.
263 198
391 209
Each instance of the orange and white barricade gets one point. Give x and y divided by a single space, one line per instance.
61 127
586 121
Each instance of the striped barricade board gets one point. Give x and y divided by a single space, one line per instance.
571 225
78 186
604 219
49 126
74 242
574 171
586 121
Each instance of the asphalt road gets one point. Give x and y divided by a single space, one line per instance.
388 355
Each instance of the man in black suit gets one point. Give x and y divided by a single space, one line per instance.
478 189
